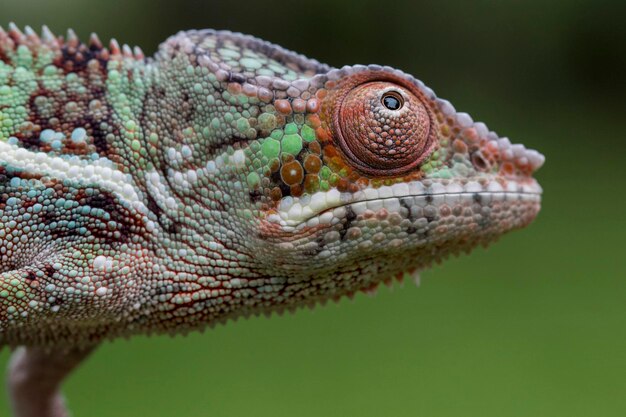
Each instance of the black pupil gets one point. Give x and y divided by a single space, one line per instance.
391 102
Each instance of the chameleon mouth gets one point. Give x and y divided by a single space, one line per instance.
328 208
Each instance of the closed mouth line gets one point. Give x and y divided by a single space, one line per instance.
453 193
407 196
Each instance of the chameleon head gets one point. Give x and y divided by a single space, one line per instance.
370 175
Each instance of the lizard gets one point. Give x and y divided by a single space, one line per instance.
226 176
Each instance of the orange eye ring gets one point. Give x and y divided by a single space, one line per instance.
383 126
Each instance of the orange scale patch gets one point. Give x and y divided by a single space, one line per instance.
311 183
315 147
507 168
314 120
471 135
276 194
322 135
296 190
459 146
292 173
312 164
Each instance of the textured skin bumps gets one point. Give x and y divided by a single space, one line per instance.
225 176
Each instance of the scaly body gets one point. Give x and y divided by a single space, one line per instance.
225 177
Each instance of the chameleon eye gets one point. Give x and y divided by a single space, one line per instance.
383 128
392 100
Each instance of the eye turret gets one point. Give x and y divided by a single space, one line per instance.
384 128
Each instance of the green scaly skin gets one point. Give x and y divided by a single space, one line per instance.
225 176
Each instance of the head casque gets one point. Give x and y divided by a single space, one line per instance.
357 174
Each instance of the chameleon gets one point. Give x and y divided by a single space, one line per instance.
226 176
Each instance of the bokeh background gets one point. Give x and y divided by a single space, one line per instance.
533 326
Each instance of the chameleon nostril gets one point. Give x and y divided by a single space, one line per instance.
479 161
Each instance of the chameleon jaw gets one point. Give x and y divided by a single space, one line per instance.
327 208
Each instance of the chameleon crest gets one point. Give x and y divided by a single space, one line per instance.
226 176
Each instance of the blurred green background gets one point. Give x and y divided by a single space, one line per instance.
533 326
